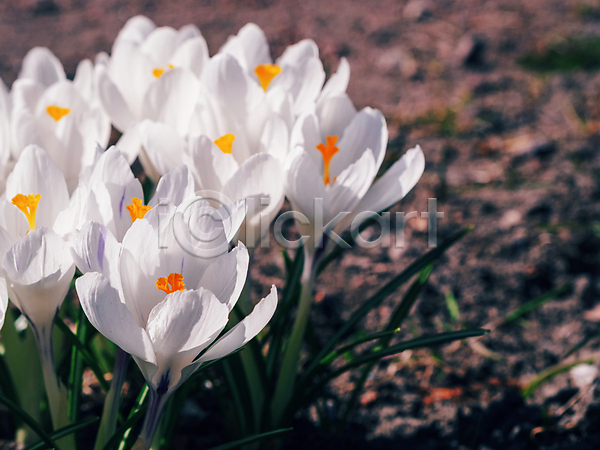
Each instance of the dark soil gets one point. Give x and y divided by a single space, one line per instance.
504 98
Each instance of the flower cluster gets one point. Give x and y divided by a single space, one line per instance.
237 124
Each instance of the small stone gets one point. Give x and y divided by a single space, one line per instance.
368 397
398 60
469 51
509 219
583 375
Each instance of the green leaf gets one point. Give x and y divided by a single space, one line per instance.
384 292
550 373
423 341
532 304
251 439
64 431
583 342
123 434
87 357
26 418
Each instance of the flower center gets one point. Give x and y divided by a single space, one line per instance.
158 72
137 210
225 142
27 204
266 73
170 284
56 112
327 151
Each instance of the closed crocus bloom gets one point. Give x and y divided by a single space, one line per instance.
152 73
165 306
38 269
113 197
35 194
337 153
298 72
50 111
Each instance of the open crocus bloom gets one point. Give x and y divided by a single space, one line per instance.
112 196
57 114
35 194
152 74
298 72
164 305
337 154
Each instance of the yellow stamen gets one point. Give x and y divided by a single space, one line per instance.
158 72
266 73
56 112
137 210
171 66
27 204
328 150
225 142
170 284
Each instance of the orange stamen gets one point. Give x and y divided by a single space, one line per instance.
56 112
327 151
27 204
225 142
266 73
137 210
170 284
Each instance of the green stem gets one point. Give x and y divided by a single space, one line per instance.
108 422
289 368
57 400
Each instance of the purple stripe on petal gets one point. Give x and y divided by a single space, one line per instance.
121 203
101 244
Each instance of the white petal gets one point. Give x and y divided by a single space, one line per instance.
112 101
304 182
397 181
192 54
249 47
335 115
163 145
130 143
174 187
338 82
244 331
211 167
227 275
180 327
41 65
135 30
351 185
171 99
160 45
109 315
95 249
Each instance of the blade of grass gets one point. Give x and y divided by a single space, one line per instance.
87 357
37 429
549 374
420 342
251 439
398 316
532 304
123 436
388 289
583 343
64 431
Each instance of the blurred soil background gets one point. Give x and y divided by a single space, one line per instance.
504 98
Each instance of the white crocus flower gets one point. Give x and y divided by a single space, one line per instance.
57 114
152 73
337 154
112 196
164 305
38 269
298 72
236 144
